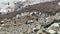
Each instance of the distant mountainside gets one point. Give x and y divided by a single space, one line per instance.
7 6
48 7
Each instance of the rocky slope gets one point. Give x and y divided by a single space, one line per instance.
42 18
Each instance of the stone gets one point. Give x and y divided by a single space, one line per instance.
58 32
55 24
58 14
31 13
38 26
18 15
2 24
58 3
24 14
35 29
49 19
52 31
39 32
35 12
30 21
2 21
